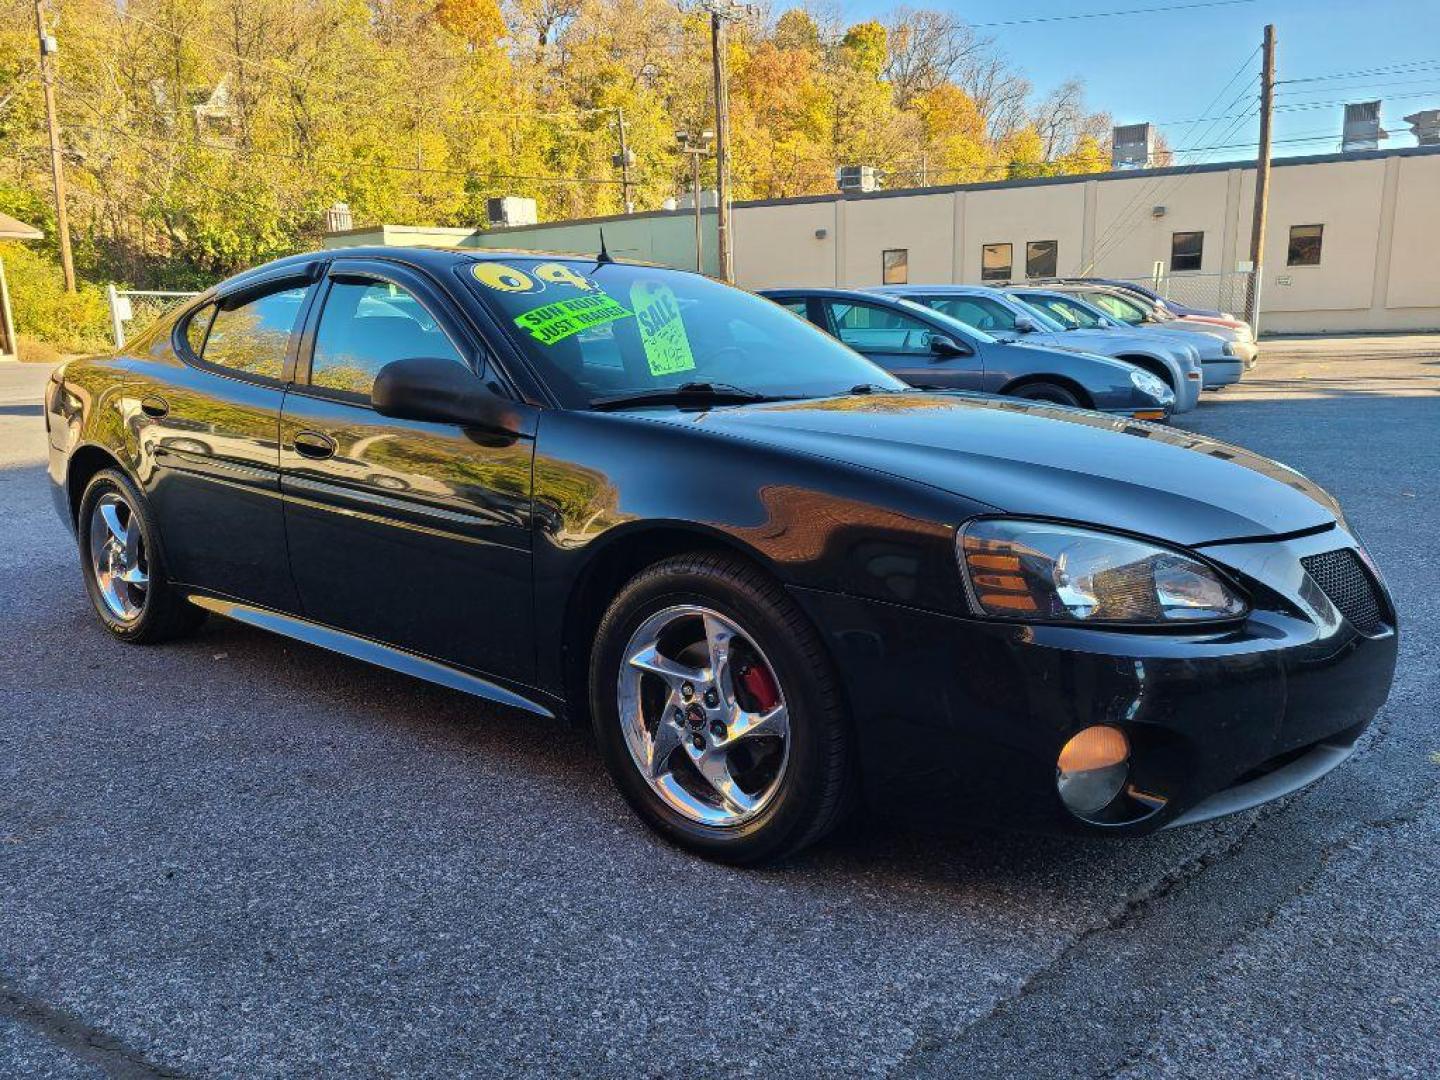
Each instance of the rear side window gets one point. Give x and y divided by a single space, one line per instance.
253 337
197 326
366 325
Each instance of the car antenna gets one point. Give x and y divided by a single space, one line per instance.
604 256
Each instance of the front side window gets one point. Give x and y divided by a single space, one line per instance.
995 262
875 329
252 338
1041 258
366 325
594 331
895 266
1186 250
1055 309
1304 245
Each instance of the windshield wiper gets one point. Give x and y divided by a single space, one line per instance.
690 393
876 388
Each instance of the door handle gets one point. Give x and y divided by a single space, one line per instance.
313 445
153 405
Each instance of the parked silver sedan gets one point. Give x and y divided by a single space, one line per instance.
1219 362
1139 311
1177 364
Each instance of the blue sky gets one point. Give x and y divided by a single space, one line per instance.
1171 67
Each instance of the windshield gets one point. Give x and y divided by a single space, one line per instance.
981 312
597 331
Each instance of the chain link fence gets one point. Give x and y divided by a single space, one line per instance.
132 310
1226 291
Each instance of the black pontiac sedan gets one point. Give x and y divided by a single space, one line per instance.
777 581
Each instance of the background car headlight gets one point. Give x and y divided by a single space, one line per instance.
1149 384
1038 572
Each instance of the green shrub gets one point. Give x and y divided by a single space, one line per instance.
72 322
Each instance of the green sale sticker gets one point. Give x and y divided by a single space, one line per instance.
550 323
662 332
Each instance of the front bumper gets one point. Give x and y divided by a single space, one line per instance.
1223 372
961 720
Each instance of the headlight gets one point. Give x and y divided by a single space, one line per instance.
1149 384
1038 572
1229 349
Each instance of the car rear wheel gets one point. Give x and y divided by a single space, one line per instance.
123 568
717 711
1046 391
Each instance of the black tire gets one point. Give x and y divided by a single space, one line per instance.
163 613
818 786
1047 391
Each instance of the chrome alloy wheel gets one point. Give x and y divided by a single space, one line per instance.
117 557
703 715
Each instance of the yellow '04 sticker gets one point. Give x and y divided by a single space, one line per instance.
502 277
662 332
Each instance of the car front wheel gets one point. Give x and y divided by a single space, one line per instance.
717 711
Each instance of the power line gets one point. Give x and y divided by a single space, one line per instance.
1393 69
1107 14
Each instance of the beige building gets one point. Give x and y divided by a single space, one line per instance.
1353 241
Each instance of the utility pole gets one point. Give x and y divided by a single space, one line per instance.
1262 183
696 146
721 13
57 162
624 159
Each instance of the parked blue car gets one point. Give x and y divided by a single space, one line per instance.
927 348
997 313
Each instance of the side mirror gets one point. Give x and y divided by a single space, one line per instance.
435 390
1025 324
943 346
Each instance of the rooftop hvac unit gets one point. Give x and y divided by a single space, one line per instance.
709 199
1426 126
857 178
1132 146
512 210
1362 129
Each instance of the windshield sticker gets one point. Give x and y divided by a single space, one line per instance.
550 323
502 277
667 349
505 278
560 274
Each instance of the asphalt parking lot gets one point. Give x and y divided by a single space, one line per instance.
243 856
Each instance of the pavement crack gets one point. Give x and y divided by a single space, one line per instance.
80 1039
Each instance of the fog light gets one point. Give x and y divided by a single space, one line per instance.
1092 768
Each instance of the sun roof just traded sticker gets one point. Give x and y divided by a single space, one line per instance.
557 321
662 332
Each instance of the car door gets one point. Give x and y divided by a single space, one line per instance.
208 428
410 533
903 344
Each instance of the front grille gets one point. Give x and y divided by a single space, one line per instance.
1342 577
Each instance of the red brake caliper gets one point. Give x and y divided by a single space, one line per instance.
760 685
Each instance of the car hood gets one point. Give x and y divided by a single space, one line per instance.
1031 458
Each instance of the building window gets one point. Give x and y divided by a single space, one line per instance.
1041 257
1304 245
995 262
895 266
1186 250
